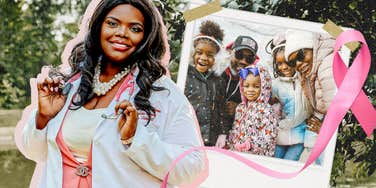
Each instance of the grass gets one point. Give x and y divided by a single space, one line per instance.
15 170
9 118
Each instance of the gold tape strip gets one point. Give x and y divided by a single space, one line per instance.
202 11
335 31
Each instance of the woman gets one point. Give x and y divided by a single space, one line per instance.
120 124
311 55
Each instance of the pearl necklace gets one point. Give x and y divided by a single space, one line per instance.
100 88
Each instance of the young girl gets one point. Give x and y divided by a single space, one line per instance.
201 82
287 89
255 126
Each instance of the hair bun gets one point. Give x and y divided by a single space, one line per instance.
210 28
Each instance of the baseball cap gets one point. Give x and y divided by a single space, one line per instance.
245 42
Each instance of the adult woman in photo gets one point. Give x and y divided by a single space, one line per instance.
311 54
120 124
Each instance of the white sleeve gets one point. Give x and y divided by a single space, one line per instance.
34 141
155 152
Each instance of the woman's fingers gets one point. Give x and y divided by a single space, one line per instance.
48 84
131 112
314 125
122 105
128 121
40 82
128 109
123 133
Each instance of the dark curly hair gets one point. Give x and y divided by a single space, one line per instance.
147 57
212 29
77 56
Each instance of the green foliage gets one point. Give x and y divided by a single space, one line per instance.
27 43
175 24
70 30
11 22
354 145
10 95
338 168
239 4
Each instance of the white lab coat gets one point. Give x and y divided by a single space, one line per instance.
145 162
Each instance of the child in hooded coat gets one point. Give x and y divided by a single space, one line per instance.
255 125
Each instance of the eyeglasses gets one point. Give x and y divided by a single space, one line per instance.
243 73
299 57
248 58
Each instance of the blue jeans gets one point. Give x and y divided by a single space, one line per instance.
291 152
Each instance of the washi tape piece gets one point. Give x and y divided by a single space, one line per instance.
202 11
335 31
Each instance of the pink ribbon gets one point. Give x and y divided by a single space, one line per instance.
349 82
353 79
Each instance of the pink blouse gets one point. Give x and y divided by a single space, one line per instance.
75 174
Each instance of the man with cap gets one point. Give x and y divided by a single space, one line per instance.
312 56
243 53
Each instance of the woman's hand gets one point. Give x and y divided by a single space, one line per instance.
128 121
50 100
314 124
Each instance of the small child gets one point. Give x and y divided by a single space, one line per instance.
295 107
201 86
255 125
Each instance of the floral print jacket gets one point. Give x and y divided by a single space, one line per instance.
255 125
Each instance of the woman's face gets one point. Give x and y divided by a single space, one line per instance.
282 66
252 87
304 65
121 32
204 56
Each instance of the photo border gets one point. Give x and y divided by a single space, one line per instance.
314 175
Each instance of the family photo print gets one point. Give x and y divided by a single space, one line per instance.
228 53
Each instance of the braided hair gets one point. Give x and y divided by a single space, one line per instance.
275 50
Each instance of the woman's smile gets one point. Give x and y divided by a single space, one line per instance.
119 45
